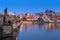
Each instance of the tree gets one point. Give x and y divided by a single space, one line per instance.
24 19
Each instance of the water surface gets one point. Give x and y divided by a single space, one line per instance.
36 31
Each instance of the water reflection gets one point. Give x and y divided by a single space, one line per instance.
27 26
40 25
52 26
37 31
47 26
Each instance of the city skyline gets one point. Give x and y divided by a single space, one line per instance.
31 6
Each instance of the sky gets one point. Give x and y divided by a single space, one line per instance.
31 6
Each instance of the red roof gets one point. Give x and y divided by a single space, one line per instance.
58 17
30 17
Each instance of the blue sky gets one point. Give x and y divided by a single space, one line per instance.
32 6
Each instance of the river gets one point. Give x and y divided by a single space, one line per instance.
36 31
